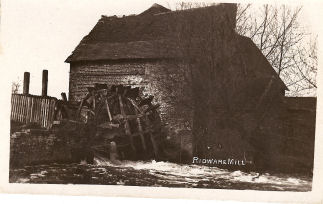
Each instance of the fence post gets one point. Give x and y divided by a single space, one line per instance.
63 94
44 83
26 83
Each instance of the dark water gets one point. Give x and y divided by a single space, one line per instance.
151 173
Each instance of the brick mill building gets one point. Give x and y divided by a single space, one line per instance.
138 50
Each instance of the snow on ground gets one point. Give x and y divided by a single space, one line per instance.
152 173
195 173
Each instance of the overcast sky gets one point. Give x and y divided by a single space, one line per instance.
41 34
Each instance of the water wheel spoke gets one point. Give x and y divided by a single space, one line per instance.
108 109
126 125
152 139
140 131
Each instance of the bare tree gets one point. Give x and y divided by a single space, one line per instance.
283 41
304 81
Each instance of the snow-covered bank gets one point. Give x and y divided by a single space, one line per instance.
152 173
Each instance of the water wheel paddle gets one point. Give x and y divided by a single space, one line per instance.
122 116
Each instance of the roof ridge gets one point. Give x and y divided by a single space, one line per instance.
155 9
156 5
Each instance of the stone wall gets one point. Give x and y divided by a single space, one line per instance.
38 146
65 142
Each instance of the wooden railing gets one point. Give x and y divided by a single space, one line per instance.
33 109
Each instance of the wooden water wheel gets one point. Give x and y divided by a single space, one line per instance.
122 122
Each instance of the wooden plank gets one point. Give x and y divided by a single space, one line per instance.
21 104
152 139
28 106
42 112
49 113
140 131
19 108
41 115
16 108
25 112
31 110
127 127
53 111
45 113
133 117
38 110
11 112
35 110
54 102
28 110
47 116
108 109
22 109
25 109
79 109
94 101
135 105
13 107
12 116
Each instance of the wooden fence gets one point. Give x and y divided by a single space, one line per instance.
33 109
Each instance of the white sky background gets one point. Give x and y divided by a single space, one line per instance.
41 34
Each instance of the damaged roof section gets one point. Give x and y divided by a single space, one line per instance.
150 34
